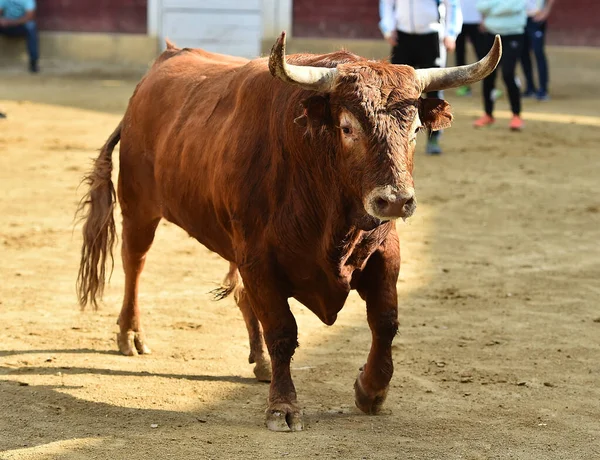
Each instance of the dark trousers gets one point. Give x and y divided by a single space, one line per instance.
29 31
535 39
512 46
421 51
469 32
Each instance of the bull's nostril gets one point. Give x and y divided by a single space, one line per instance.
410 202
381 203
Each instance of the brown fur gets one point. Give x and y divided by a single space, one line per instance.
255 169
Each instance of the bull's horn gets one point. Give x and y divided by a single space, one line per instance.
453 77
314 78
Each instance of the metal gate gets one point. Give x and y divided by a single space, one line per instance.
221 26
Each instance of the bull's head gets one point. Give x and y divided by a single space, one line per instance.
374 110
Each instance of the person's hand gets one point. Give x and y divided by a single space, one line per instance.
541 15
392 38
450 43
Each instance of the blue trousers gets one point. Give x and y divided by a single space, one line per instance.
535 38
29 31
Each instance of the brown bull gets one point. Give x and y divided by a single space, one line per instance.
295 180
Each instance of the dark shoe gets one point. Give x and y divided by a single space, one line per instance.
542 96
2 115
433 146
529 93
33 67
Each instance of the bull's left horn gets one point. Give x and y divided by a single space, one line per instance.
313 78
453 77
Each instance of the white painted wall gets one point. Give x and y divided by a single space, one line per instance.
277 16
234 27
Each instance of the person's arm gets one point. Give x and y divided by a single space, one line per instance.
543 14
28 16
453 23
387 20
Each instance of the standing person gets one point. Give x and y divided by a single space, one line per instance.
470 31
535 38
17 19
506 18
413 29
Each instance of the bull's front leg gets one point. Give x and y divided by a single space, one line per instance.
377 286
281 337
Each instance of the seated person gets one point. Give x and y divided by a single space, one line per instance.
17 19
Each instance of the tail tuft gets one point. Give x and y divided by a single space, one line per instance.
230 284
96 209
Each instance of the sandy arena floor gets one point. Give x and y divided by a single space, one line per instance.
498 351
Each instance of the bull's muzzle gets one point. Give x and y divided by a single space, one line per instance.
388 203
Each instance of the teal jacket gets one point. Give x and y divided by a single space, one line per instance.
504 17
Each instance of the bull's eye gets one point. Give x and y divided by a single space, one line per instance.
417 129
346 130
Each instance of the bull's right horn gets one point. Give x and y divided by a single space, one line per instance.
453 77
307 77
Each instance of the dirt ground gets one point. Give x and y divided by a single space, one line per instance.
497 354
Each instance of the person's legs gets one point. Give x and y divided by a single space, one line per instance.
469 32
489 83
428 57
460 51
538 39
402 53
526 58
33 46
476 38
511 55
29 31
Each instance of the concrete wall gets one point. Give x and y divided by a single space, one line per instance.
118 49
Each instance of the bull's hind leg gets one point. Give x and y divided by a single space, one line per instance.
258 356
138 235
141 215
262 368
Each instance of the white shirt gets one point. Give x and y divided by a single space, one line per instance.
420 17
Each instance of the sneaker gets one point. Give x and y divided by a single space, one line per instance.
33 67
529 93
542 96
433 146
463 91
485 120
516 123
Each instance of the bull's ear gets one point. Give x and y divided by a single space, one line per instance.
435 113
316 112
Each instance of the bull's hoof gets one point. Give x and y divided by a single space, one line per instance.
262 371
132 343
284 417
369 403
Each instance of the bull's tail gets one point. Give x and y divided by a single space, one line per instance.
99 233
231 283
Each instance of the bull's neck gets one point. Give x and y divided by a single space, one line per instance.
316 194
